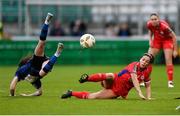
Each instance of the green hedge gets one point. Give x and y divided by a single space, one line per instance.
105 52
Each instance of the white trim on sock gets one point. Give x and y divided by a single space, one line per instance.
57 54
46 22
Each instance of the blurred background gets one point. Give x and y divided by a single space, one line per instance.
119 27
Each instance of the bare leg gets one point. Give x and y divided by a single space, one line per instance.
153 51
109 81
107 84
38 92
103 94
48 65
39 50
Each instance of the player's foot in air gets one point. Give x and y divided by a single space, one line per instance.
84 78
48 18
60 47
67 94
170 84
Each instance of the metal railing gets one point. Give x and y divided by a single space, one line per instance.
102 11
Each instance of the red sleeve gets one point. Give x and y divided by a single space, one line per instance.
149 24
166 29
147 74
132 68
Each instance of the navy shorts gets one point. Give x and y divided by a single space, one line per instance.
33 64
37 61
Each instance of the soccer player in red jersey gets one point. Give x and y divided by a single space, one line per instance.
162 37
119 84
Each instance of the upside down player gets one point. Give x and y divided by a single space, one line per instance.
119 84
162 37
35 68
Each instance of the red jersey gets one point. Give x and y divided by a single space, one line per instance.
160 32
122 83
143 75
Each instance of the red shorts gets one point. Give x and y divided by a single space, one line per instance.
121 85
162 44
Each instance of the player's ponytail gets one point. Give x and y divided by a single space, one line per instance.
24 60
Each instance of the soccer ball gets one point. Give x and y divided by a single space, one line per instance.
87 41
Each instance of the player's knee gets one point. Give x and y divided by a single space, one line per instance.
107 84
104 85
109 75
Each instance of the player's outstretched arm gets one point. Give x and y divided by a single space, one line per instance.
136 85
13 86
148 90
36 93
175 49
150 39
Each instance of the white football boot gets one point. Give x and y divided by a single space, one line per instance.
48 18
170 84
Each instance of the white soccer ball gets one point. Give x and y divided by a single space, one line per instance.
87 41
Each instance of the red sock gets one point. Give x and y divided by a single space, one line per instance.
169 71
81 95
97 77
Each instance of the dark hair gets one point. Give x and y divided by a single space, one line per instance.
154 14
24 60
150 56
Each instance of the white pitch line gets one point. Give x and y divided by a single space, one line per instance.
169 93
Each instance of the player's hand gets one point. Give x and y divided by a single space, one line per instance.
150 43
175 53
142 96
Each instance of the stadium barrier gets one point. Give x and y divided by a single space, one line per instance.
111 52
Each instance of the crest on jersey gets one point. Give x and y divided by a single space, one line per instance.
142 77
161 32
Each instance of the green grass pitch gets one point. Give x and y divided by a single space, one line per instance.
66 77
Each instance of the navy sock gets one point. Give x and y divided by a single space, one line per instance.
44 32
48 67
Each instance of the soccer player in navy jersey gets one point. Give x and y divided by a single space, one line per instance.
34 68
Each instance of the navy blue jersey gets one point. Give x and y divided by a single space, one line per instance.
32 67
23 71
